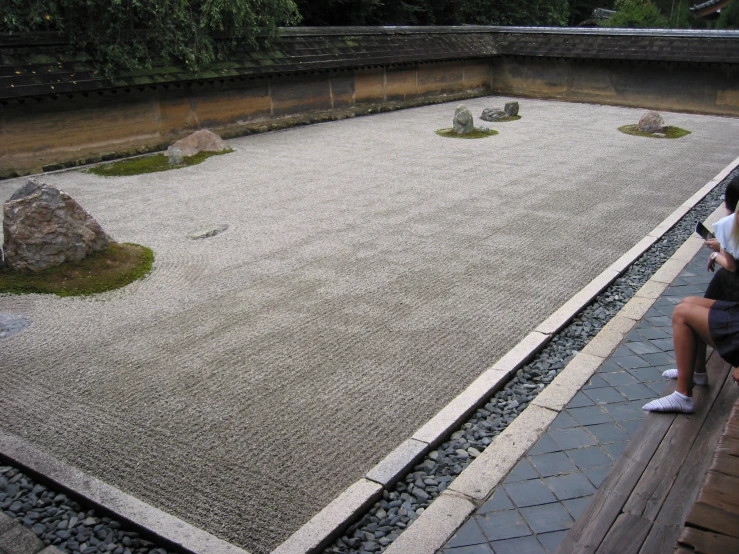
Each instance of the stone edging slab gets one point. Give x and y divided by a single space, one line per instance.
442 518
111 499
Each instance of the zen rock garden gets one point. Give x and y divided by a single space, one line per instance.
652 125
203 140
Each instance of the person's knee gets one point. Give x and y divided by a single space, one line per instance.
682 312
691 300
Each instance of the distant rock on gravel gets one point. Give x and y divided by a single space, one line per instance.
200 141
493 114
651 122
45 227
463 120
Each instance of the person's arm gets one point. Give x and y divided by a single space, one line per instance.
724 259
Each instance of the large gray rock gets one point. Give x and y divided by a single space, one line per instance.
651 122
200 141
463 120
493 114
511 108
45 227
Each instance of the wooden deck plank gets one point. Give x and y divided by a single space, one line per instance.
626 535
676 506
704 542
656 482
712 518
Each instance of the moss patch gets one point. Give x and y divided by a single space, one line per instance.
112 268
509 118
670 132
476 134
149 164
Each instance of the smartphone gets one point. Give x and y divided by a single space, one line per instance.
703 231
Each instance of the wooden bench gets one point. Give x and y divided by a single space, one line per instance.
712 526
642 504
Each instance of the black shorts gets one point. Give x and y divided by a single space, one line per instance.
723 324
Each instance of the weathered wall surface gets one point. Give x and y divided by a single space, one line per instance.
699 88
46 132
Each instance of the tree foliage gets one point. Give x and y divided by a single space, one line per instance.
729 18
128 34
637 14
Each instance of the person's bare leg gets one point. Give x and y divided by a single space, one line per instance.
689 325
699 374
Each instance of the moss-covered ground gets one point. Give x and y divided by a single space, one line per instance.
669 132
112 268
476 134
149 164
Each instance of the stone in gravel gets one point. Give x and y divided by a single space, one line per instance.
463 120
421 495
651 122
203 140
45 227
511 109
175 156
493 114
209 232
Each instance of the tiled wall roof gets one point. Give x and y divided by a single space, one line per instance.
41 65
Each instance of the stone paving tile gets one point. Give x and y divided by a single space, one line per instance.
605 395
529 493
503 525
522 471
572 485
580 400
563 421
551 486
590 415
551 541
523 545
555 463
547 517
590 457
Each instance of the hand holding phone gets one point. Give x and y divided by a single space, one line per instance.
703 231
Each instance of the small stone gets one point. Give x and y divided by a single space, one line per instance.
175 157
493 114
511 109
209 232
463 121
651 122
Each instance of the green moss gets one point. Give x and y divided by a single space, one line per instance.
149 164
510 118
670 132
476 134
112 268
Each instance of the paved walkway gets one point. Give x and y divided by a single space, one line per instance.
548 489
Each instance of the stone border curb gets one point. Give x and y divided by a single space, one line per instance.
111 499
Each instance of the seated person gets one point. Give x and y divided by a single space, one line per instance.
716 323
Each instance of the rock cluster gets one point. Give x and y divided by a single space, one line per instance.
45 227
463 120
651 122
495 114
199 141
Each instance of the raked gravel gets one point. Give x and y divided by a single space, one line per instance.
370 271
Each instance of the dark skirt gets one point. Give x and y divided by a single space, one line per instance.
723 324
723 286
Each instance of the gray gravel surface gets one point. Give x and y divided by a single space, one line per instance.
370 271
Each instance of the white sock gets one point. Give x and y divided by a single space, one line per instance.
674 402
698 378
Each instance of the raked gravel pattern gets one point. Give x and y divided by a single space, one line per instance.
371 270
400 507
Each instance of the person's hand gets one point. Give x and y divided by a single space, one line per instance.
711 262
713 244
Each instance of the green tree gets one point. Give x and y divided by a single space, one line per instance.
129 34
637 14
729 18
522 12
